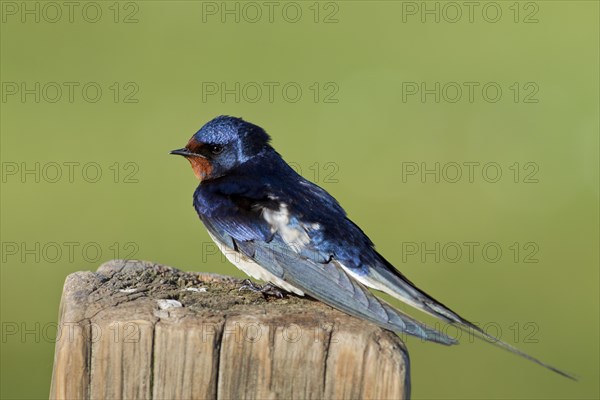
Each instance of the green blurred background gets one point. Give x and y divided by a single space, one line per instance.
360 130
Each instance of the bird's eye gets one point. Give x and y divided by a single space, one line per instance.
215 149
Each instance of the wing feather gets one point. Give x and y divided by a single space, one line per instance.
329 283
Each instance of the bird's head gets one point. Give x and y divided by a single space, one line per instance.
221 145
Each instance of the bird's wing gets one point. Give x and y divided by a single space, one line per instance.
358 258
325 281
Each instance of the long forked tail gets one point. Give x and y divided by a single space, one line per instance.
465 325
389 280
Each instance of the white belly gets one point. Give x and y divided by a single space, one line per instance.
251 268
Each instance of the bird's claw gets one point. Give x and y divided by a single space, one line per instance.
266 290
247 284
271 290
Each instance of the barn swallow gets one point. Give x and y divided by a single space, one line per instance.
282 229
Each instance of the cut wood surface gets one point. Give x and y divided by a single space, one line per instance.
140 330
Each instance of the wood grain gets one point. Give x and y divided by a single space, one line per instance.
139 330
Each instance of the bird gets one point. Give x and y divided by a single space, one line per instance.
280 228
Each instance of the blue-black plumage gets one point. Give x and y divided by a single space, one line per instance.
281 228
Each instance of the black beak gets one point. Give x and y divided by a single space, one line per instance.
185 152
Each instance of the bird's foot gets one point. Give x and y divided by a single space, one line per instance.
247 284
266 290
271 290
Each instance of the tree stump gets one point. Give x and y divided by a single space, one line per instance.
140 330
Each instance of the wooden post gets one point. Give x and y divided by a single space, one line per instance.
140 330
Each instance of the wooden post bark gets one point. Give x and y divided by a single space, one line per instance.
140 330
